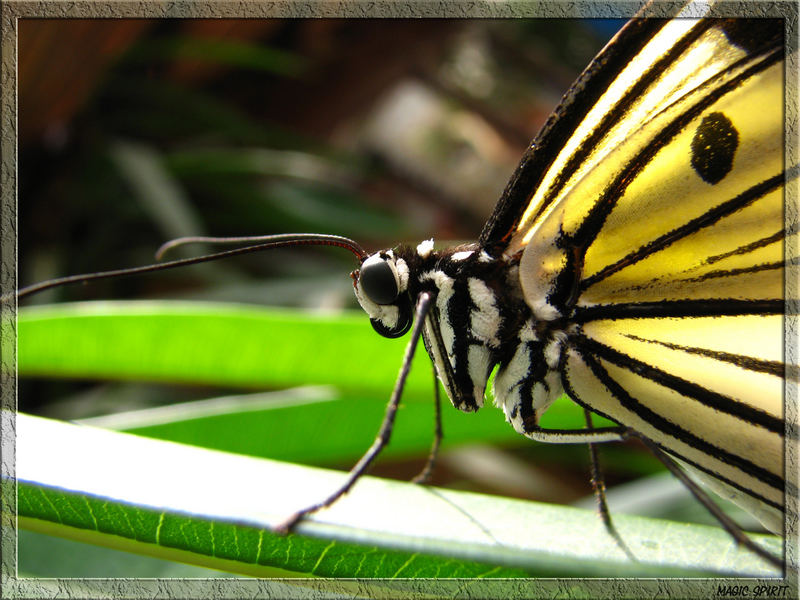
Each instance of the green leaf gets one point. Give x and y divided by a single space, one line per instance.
206 343
279 425
41 555
215 509
216 506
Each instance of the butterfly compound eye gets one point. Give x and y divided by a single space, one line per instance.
378 280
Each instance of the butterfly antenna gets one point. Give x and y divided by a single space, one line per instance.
264 242
274 241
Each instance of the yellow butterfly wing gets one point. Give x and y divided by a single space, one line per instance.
662 246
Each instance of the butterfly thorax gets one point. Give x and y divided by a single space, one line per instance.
478 320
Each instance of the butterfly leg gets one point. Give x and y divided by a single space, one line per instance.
423 306
725 521
599 487
424 475
526 385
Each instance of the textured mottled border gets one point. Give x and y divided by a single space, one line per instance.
13 587
791 399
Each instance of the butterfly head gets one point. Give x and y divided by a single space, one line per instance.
381 287
463 328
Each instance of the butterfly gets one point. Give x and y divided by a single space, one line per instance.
635 262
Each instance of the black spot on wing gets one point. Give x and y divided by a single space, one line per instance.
707 219
713 147
591 226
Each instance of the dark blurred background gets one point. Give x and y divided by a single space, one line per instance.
133 132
